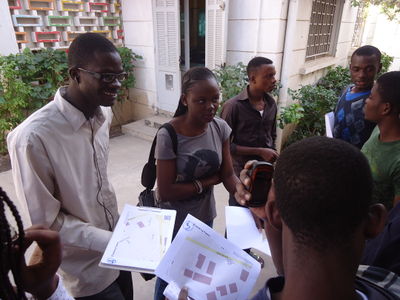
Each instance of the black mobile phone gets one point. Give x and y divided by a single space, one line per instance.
260 182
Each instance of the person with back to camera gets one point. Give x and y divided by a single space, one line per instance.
185 180
350 124
59 158
317 226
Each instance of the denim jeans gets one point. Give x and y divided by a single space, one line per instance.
120 289
161 284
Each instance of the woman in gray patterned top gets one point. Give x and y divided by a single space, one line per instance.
185 180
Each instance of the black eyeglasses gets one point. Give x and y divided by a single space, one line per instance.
107 77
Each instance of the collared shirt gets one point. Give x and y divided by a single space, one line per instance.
249 127
59 163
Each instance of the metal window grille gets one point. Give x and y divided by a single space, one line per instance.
358 27
321 28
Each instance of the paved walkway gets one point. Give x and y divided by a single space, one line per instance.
128 154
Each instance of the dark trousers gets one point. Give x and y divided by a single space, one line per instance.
120 289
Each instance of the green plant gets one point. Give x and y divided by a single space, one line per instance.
128 57
232 79
391 8
28 80
291 114
386 61
312 102
336 79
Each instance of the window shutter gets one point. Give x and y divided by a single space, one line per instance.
167 34
216 29
166 30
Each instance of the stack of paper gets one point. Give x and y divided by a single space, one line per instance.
140 239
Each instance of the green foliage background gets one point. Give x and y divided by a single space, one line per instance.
391 8
312 102
29 80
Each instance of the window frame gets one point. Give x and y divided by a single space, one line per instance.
334 35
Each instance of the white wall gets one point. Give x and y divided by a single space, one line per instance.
244 42
8 43
138 29
383 34
256 27
308 72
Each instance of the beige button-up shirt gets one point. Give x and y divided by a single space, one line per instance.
59 164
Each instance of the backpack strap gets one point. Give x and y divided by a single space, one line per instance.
149 170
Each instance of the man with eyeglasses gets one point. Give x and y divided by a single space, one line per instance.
59 162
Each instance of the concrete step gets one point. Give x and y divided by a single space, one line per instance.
145 128
156 121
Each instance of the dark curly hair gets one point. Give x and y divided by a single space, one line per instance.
82 49
388 89
323 191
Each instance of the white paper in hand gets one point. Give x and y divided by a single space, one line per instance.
140 239
242 230
329 123
206 263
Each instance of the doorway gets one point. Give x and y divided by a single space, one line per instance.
192 33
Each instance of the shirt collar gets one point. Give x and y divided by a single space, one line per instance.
244 95
74 116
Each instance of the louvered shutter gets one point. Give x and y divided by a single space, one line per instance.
216 30
166 29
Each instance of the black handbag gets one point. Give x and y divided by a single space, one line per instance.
149 172
149 175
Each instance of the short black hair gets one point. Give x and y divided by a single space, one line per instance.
323 191
256 62
388 88
83 47
368 50
188 80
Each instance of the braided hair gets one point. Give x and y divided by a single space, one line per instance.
10 255
192 76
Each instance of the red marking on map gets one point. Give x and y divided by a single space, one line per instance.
222 290
211 296
188 273
233 288
244 275
201 278
200 261
211 268
140 224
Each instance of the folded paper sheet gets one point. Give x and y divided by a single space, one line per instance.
208 264
242 230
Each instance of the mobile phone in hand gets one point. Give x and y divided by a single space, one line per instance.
260 182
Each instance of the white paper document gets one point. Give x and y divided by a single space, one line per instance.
210 266
140 239
242 230
329 123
